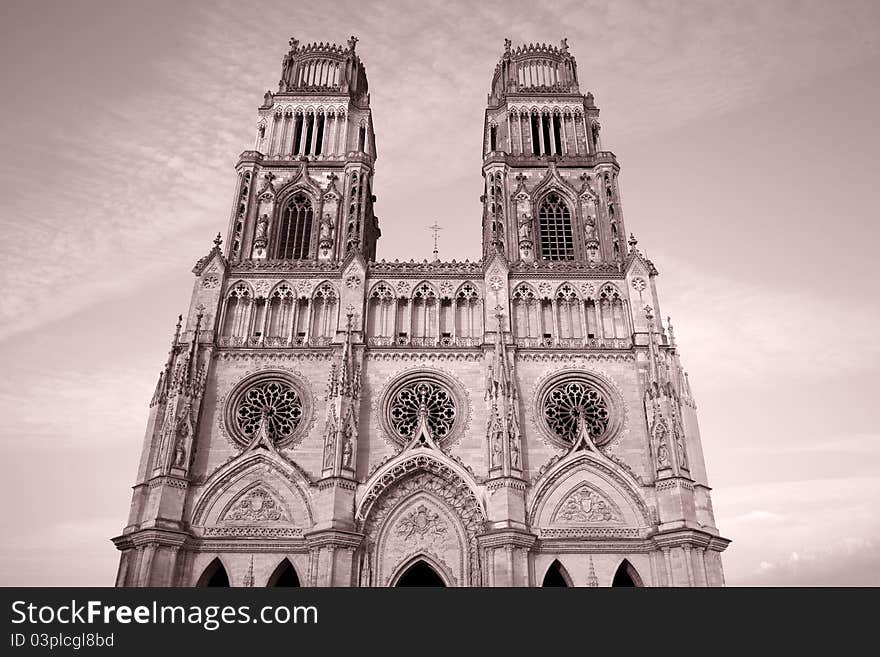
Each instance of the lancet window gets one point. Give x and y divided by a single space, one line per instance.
557 241
295 232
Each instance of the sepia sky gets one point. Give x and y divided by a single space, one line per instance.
748 139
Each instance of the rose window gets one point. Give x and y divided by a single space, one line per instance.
571 403
428 397
274 399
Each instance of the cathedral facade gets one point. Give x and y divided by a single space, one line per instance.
325 418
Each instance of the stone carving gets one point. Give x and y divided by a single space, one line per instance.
346 453
352 282
421 523
495 283
584 505
325 231
446 288
590 229
261 288
262 231
257 505
329 447
211 283
514 452
525 227
662 447
682 456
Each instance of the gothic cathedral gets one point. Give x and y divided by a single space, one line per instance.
325 418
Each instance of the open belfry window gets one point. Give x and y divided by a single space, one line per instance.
296 228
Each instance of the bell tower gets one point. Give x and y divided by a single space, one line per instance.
305 192
550 190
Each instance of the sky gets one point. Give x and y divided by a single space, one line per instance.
746 131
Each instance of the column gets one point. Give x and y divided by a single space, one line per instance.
146 565
565 148
688 562
667 559
541 150
509 135
344 145
587 137
555 320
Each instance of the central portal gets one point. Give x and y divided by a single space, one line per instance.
420 574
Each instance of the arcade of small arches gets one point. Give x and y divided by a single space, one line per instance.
280 317
546 131
321 130
424 317
418 573
567 318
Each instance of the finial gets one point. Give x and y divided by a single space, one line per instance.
632 241
436 228
671 332
218 241
349 314
293 43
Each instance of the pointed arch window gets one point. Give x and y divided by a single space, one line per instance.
296 228
557 242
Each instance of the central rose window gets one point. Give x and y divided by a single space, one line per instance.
420 394
568 405
271 401
571 400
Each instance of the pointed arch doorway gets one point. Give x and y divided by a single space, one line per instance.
420 574
214 575
284 576
556 576
626 576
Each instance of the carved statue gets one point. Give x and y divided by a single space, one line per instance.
262 230
179 455
514 453
662 454
328 452
326 229
507 44
352 42
267 99
682 457
525 227
590 228
346 453
497 448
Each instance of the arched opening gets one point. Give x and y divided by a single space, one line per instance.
214 575
420 574
296 228
557 241
284 576
555 576
627 576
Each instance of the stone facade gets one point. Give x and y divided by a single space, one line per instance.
327 419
